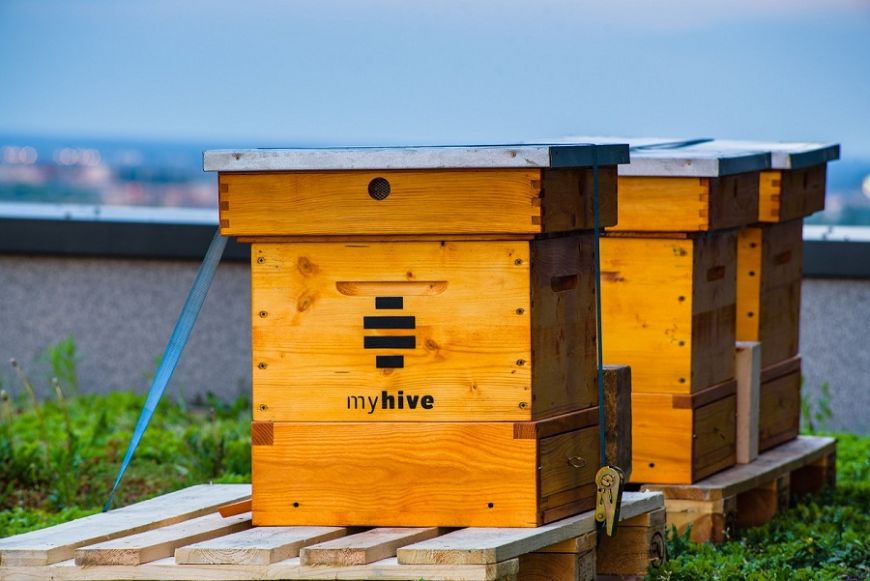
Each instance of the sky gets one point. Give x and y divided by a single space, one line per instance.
271 73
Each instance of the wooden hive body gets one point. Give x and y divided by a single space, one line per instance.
499 330
679 439
769 288
423 329
779 403
425 473
668 307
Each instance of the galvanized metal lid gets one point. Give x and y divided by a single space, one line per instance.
784 155
438 157
658 157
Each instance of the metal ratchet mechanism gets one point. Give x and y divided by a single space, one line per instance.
608 498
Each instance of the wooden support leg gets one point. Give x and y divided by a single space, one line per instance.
638 543
571 560
711 520
759 505
814 477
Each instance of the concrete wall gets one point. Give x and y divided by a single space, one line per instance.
121 312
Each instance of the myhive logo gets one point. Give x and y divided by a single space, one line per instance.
386 400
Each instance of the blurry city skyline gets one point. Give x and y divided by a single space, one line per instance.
186 76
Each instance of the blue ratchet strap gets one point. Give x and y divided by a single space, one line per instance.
177 342
602 460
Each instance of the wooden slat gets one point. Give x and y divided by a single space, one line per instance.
563 325
57 543
167 570
159 543
785 458
617 417
366 547
748 399
779 409
492 545
235 508
256 546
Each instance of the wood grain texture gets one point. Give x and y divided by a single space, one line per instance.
769 288
563 325
419 202
417 474
256 546
365 547
748 400
493 545
733 201
638 543
567 198
472 338
668 310
617 417
714 437
167 570
780 409
680 445
496 330
714 300
791 194
557 567
160 543
58 543
687 204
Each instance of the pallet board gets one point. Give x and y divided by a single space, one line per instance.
750 494
58 543
467 554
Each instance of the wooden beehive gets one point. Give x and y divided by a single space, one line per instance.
423 328
669 300
794 186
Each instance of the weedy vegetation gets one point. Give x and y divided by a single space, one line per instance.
59 456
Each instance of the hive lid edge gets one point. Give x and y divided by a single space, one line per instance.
432 157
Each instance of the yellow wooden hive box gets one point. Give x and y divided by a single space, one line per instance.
423 330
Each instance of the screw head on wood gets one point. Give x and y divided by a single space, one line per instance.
261 260
263 314
521 362
524 405
263 407
520 311
262 365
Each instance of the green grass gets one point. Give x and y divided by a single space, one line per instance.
58 459
825 537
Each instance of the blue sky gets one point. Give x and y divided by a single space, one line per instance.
339 72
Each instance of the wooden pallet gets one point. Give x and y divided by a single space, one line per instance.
750 495
180 537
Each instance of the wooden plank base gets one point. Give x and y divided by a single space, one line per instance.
749 495
559 551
